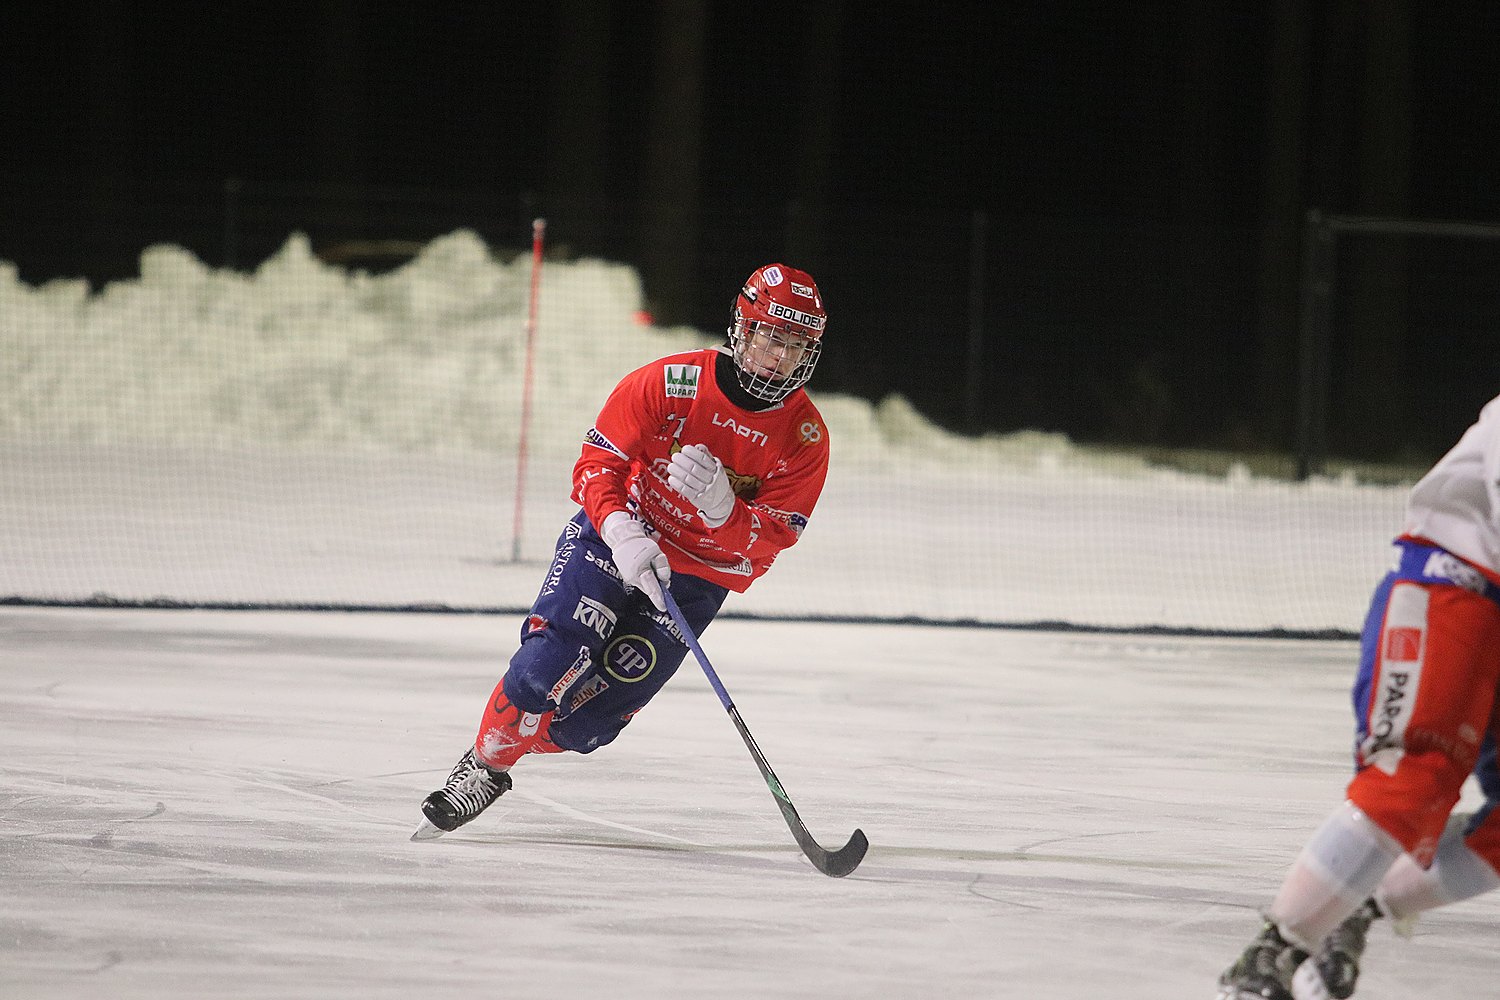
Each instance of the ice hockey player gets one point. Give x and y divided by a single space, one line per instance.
1426 711
700 468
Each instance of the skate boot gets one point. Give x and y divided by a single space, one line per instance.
470 789
1333 971
1264 971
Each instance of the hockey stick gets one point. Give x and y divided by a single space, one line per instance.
835 863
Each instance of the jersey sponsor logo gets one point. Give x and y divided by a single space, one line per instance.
664 517
534 623
666 527
790 518
598 440
1444 566
665 621
749 433
810 431
607 567
595 615
740 567
682 381
1394 691
1404 644
630 658
528 724
574 672
1400 675
745 487
591 688
810 320
664 502
559 563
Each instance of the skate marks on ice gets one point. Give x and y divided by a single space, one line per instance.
218 805
884 862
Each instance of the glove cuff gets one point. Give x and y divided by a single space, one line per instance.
620 525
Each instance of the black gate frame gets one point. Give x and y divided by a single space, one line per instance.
1320 236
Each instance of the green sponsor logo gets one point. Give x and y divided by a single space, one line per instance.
682 381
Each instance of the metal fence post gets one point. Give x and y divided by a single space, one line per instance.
973 380
1316 335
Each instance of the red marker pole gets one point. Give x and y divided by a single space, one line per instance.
538 231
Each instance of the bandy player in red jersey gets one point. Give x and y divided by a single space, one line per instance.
1426 711
700 468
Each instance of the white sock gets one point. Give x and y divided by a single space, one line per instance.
1336 871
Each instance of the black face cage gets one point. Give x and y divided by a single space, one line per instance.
767 388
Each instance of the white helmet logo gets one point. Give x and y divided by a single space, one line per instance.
797 316
772 276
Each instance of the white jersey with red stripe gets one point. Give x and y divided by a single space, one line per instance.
1456 505
776 457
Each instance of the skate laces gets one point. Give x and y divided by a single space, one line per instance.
471 786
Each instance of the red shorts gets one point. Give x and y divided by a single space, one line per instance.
1425 699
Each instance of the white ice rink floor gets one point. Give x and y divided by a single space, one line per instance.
202 805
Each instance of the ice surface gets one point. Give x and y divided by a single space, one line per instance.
214 805
217 805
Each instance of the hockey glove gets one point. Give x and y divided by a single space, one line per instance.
698 476
641 562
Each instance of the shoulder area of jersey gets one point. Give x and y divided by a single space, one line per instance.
684 372
807 421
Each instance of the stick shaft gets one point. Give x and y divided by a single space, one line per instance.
834 863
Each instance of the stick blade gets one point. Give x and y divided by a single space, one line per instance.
835 864
841 862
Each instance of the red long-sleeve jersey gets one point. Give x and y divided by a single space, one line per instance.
777 460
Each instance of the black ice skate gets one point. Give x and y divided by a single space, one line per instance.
470 789
1333 971
1264 971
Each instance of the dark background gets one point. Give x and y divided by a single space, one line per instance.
1084 217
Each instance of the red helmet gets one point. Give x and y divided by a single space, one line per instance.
777 332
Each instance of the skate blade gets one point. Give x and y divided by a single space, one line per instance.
427 831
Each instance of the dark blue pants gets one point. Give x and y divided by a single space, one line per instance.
593 653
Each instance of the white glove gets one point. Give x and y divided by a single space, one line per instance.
641 562
697 475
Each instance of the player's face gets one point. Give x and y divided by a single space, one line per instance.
771 352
